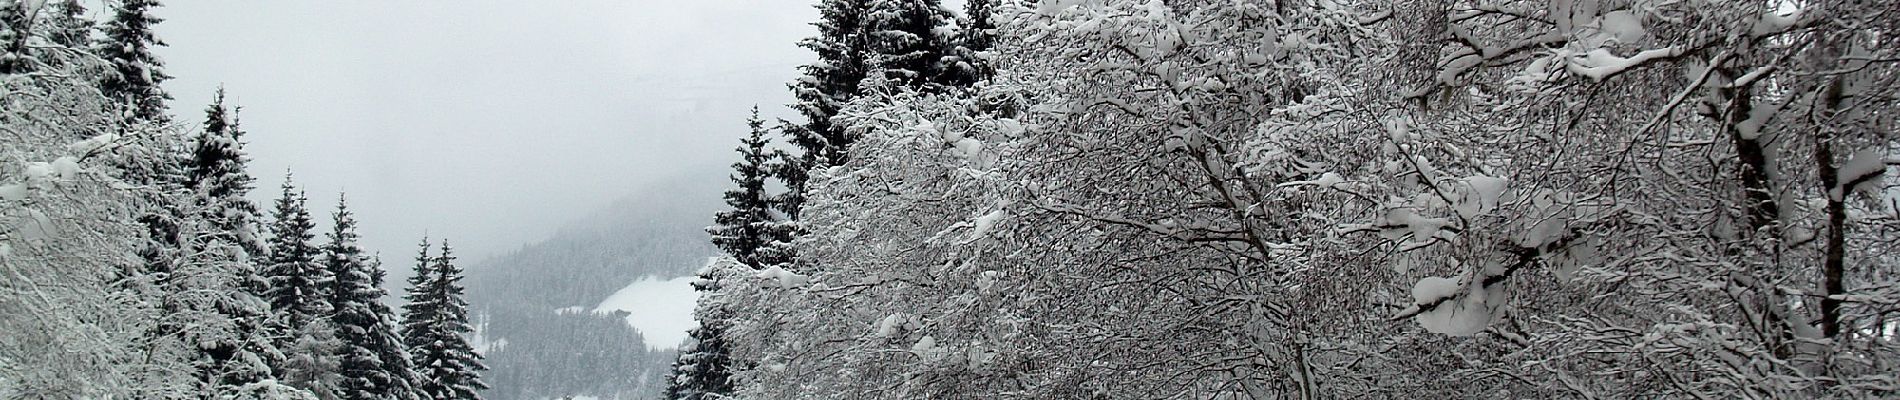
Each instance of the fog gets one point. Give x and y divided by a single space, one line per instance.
485 122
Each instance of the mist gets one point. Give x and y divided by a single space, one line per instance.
487 123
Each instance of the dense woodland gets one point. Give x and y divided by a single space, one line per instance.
135 268
1078 199
1159 199
536 308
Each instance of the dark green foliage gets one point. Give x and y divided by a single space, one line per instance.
216 174
905 41
703 370
15 26
962 64
128 44
749 226
899 39
297 281
373 362
434 323
69 26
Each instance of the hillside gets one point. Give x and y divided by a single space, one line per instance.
534 306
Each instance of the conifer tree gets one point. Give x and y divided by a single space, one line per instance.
703 370
129 39
297 281
898 39
298 300
906 41
749 227
433 324
371 360
68 25
962 63
213 294
216 172
16 24
824 89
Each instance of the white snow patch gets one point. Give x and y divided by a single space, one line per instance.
786 279
661 309
1624 25
13 192
1867 165
1600 63
37 172
985 223
66 167
1456 312
1485 194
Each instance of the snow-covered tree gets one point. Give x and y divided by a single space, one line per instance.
829 83
213 294
297 281
299 298
68 25
372 362
128 44
703 370
907 40
16 25
750 226
434 322
75 323
964 62
1356 199
216 173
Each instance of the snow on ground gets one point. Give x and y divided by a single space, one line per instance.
661 309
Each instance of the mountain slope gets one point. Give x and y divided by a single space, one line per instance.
535 305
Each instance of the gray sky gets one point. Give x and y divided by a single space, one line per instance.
490 123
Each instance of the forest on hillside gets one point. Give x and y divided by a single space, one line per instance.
1074 199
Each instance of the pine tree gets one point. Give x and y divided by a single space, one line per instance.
433 324
16 24
746 229
69 26
297 281
827 85
216 172
298 298
214 291
704 367
129 39
372 361
905 37
962 65
899 40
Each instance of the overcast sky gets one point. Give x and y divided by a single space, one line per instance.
490 123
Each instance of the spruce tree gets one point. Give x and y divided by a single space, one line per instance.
906 41
297 281
215 289
898 39
962 64
704 367
129 39
216 172
827 85
298 300
749 227
433 325
68 25
372 361
16 24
